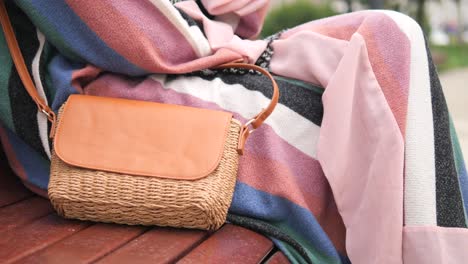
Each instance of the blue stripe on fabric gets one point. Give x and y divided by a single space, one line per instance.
460 166
254 203
60 71
36 168
80 38
463 175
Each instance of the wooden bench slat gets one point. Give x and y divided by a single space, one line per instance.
19 242
23 212
159 245
87 245
231 244
278 258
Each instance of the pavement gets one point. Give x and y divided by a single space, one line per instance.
455 86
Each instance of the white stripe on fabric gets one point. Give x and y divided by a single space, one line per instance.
42 121
196 38
420 180
287 124
200 40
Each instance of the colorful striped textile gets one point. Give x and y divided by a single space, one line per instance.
358 163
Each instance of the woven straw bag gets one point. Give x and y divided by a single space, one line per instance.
141 163
138 200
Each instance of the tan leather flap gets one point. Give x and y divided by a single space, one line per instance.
141 138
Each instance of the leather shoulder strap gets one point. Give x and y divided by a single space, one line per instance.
257 120
20 65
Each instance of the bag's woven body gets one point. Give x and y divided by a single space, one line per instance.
138 200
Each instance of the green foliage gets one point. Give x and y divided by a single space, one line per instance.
450 57
292 14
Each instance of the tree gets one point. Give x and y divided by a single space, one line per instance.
459 22
376 4
289 15
350 5
420 12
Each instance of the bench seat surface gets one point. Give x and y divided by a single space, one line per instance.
31 232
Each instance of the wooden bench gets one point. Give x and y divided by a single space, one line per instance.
30 232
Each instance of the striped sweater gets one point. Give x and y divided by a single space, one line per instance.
358 163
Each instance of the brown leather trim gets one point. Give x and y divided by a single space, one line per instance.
257 120
141 138
263 115
21 65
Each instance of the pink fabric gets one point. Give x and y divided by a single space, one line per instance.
219 57
173 55
357 141
152 23
388 52
433 244
316 65
251 13
170 53
362 154
221 35
172 49
364 104
339 27
253 6
84 76
388 55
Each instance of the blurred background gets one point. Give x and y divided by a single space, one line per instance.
444 22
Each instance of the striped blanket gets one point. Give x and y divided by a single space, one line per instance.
358 163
